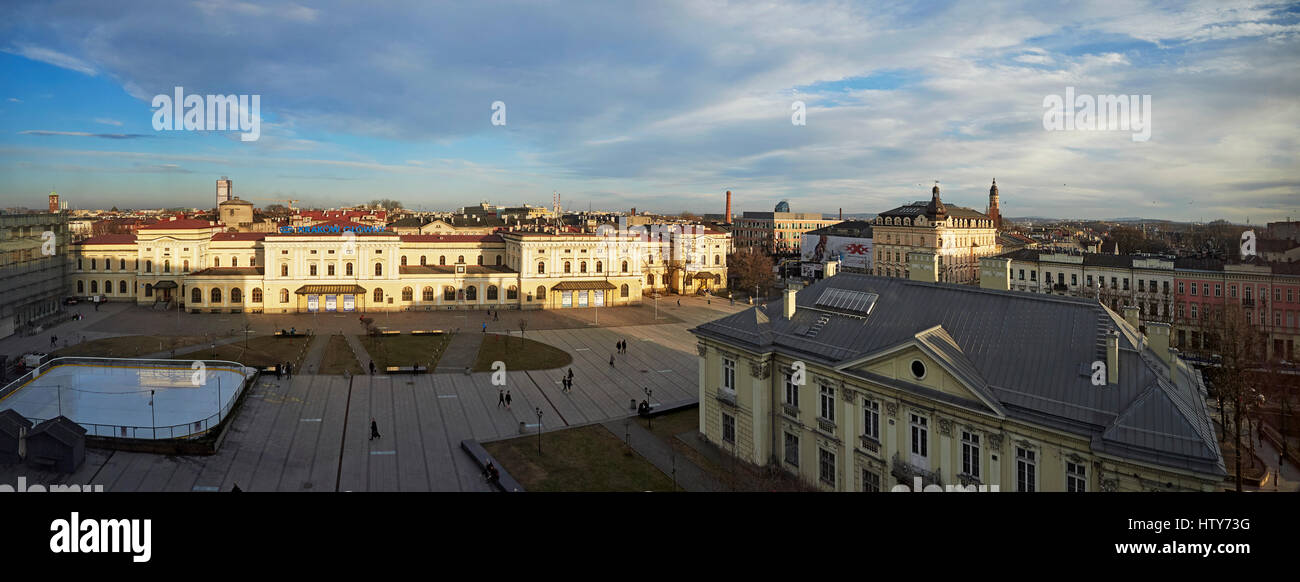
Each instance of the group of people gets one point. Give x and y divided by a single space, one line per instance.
567 381
621 346
503 399
284 370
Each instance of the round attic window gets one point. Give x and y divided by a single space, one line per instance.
918 369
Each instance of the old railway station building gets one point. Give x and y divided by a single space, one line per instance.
193 265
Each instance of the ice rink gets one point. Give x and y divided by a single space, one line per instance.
105 399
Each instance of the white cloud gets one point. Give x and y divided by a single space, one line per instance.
52 57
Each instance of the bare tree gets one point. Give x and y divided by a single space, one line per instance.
1228 333
753 269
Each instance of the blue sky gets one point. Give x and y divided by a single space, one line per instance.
658 105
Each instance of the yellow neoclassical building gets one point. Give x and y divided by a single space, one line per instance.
865 383
348 268
954 237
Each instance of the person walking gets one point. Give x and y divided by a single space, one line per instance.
485 327
507 400
570 373
374 429
52 340
611 360
372 367
501 398
279 372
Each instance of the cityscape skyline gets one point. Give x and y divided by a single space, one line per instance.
636 113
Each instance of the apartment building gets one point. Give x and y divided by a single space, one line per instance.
779 232
956 238
32 280
864 383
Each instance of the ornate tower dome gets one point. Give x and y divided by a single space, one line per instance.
782 206
935 211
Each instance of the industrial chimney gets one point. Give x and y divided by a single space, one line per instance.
728 206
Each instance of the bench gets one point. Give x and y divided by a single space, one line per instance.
667 407
406 370
481 458
428 332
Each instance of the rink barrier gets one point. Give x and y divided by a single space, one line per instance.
187 438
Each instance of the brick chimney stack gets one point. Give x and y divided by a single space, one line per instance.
728 206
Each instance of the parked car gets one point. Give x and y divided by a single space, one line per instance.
71 301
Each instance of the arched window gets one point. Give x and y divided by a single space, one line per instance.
329 269
512 292
252 261
284 269
408 294
236 296
717 259
623 291
600 267
442 259
234 261
121 266
498 260
541 293
148 266
81 287
427 294
423 260
471 293
650 279
541 267
196 295
92 264
582 266
492 293
216 261
108 286
257 294
448 293
379 295
403 260
284 296
94 287
624 266
121 287
216 295
185 266
148 290
349 269
379 269
80 265
460 260
568 267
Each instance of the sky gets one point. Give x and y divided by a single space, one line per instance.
662 105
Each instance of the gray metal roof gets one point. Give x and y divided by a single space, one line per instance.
1028 353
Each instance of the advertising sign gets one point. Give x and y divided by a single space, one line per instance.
331 303
313 302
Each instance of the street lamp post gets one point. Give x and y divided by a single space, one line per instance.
153 412
539 431
648 419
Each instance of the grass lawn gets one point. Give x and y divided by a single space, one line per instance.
127 346
587 458
262 351
519 354
404 350
338 357
734 476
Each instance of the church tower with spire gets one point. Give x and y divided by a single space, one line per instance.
995 212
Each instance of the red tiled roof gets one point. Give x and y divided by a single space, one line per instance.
181 224
239 236
110 239
486 238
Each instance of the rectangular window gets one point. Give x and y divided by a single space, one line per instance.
728 428
1232 291
871 419
828 403
1033 275
1205 289
826 466
1074 278
870 481
1180 287
1218 290
791 450
791 392
1022 274
1114 283
920 436
1090 280
970 454
729 373
1026 470
1076 478
1193 289
1126 283
1194 311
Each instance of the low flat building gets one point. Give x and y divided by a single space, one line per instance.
848 243
864 383
32 282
